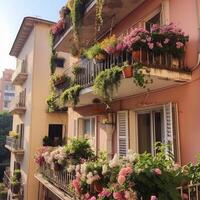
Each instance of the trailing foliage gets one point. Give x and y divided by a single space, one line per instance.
71 95
106 82
52 102
99 10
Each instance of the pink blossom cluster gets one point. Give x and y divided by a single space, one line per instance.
134 36
59 26
39 156
123 173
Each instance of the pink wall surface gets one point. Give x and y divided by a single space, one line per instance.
184 14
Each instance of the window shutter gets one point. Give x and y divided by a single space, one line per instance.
122 132
168 127
75 128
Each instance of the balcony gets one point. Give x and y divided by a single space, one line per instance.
6 177
20 75
113 12
17 105
57 182
15 145
163 70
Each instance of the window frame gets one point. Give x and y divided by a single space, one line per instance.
149 110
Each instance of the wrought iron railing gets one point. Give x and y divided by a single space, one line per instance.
146 57
14 143
61 179
21 68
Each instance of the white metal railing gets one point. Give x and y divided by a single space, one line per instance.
21 68
15 143
18 101
61 179
6 177
190 192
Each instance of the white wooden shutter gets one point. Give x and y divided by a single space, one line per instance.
122 132
168 127
75 128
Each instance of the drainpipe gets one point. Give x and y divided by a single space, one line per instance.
198 21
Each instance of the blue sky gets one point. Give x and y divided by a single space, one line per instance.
12 13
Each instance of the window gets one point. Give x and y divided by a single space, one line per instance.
156 19
6 104
150 129
158 125
59 62
55 134
87 129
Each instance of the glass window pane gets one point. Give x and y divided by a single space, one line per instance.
144 132
86 127
158 126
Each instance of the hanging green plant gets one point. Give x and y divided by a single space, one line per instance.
71 95
107 82
77 11
52 102
99 10
140 79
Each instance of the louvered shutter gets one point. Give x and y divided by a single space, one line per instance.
122 132
168 127
75 128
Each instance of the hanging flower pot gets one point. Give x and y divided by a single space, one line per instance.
127 71
136 55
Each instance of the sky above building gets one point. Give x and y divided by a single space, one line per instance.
12 13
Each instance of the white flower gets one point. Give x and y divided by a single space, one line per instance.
89 175
131 156
77 168
71 168
104 169
114 162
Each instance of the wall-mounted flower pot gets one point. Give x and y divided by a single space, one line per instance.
127 71
136 55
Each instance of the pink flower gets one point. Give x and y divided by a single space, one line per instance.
105 193
121 179
179 45
93 198
150 45
75 184
157 171
87 196
127 194
159 44
117 195
184 196
153 197
166 41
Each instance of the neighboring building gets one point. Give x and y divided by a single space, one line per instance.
7 90
31 121
168 112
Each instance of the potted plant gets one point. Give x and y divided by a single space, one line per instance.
77 70
14 134
46 141
96 53
15 185
127 70
17 174
135 41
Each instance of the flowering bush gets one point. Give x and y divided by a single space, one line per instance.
131 177
112 45
58 27
137 38
40 155
168 38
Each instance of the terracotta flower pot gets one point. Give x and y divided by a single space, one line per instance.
136 55
127 71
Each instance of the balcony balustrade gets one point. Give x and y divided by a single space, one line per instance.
17 105
6 177
15 145
60 179
20 75
113 12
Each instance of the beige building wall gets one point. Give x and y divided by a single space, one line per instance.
36 119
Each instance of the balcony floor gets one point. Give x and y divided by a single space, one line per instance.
59 193
15 151
20 79
18 110
162 78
